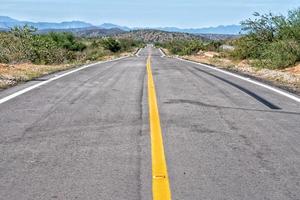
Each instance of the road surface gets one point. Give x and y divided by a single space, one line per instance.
86 135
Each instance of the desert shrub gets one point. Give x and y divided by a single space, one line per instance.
213 45
7 51
44 50
130 44
94 55
279 54
192 47
23 44
246 47
189 47
272 41
111 44
67 41
15 45
182 47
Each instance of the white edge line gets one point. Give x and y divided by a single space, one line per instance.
23 91
163 54
137 54
247 79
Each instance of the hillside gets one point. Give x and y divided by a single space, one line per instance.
83 29
218 36
87 32
160 34
148 35
228 29
152 35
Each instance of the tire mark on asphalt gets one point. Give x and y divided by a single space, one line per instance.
56 104
198 103
250 93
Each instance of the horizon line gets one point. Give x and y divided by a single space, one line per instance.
125 26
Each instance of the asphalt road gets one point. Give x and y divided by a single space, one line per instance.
86 135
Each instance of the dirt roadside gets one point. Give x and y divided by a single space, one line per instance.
13 74
287 79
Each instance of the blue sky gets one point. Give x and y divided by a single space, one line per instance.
142 13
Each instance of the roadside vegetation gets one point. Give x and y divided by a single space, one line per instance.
23 45
271 41
268 48
25 55
189 47
268 41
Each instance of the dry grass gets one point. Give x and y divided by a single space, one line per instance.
12 74
294 70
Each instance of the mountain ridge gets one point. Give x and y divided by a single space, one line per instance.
221 29
8 22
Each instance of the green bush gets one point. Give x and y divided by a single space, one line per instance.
129 44
189 47
111 44
246 47
272 41
279 54
67 41
44 50
213 45
22 44
182 47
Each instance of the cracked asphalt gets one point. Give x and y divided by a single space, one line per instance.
86 135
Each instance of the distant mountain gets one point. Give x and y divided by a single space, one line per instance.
223 30
7 19
230 29
111 26
7 23
83 28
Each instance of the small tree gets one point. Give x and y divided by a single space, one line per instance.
24 36
272 41
112 44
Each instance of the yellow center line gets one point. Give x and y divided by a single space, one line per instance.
160 179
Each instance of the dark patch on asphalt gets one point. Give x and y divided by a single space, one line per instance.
201 129
250 93
198 103
41 79
283 86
